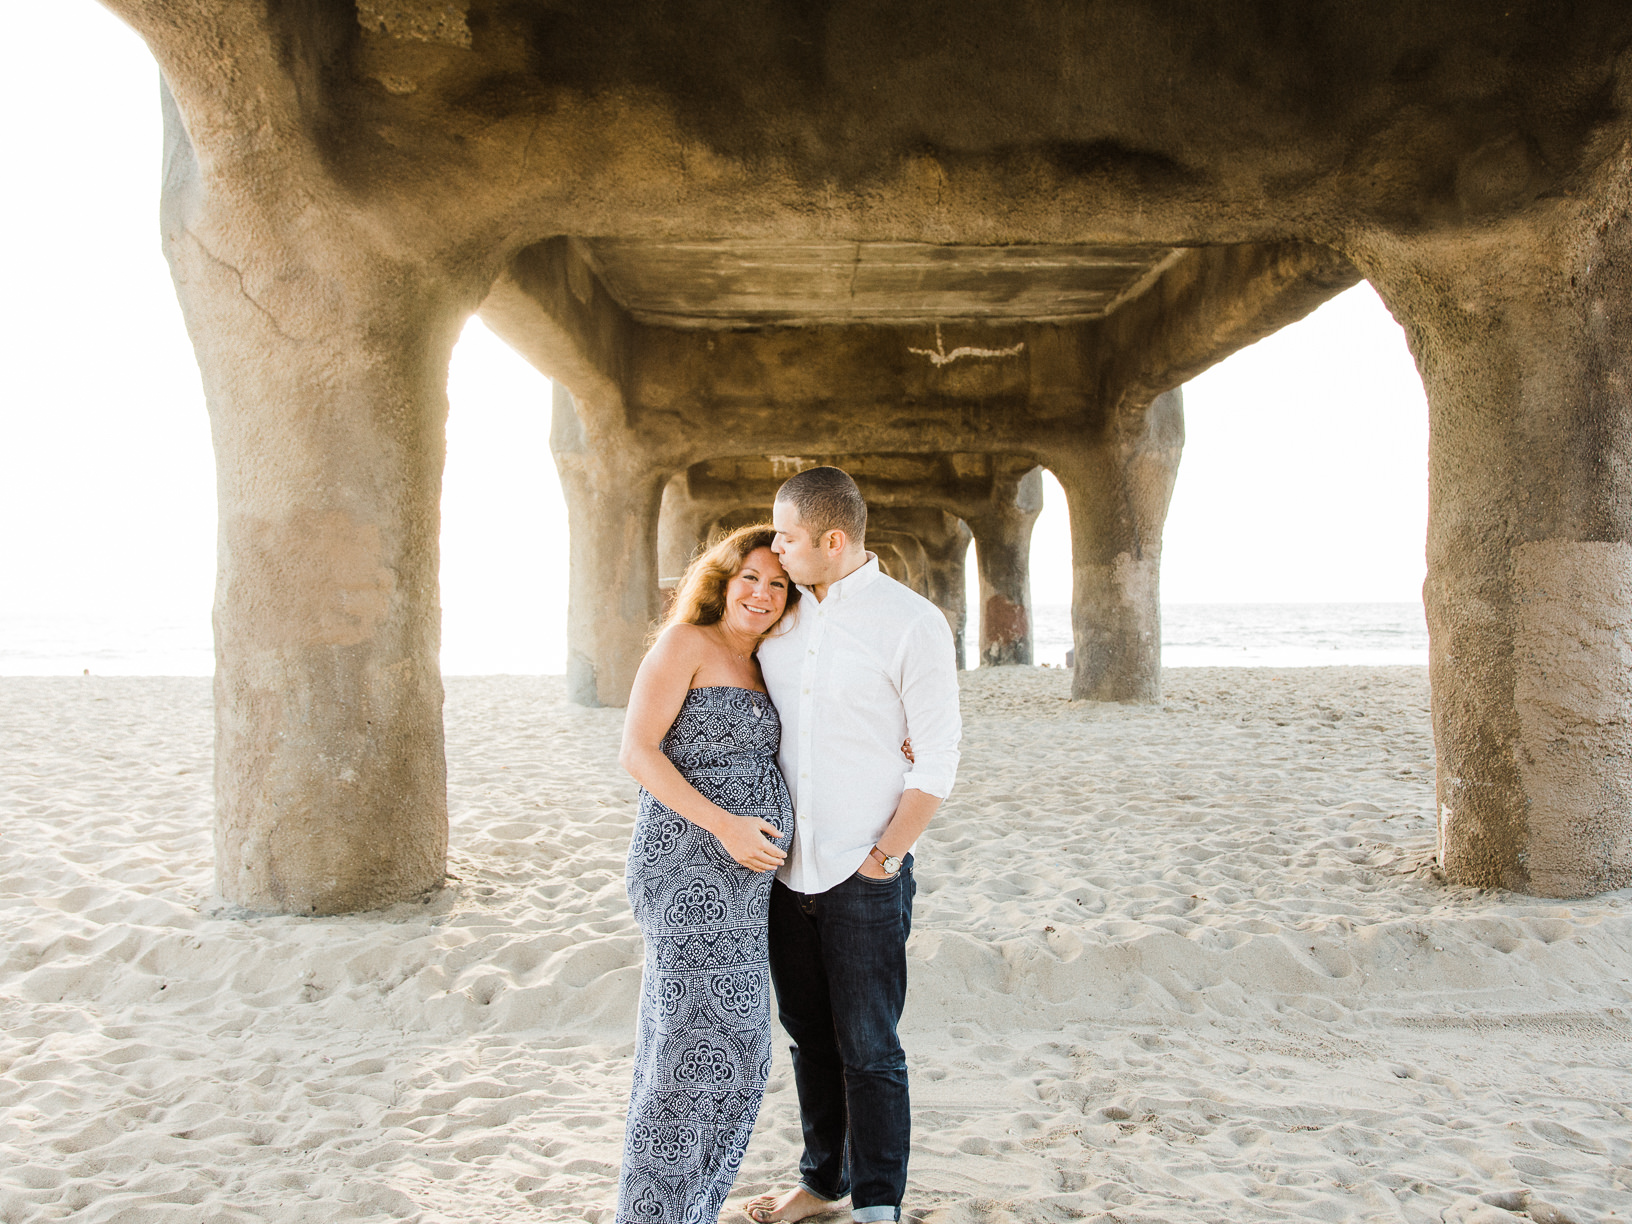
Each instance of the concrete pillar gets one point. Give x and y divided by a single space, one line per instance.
740 516
613 497
1523 335
683 526
902 557
947 589
686 521
1003 554
1118 490
324 363
889 560
933 545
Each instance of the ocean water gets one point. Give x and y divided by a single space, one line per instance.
1266 635
1193 635
106 645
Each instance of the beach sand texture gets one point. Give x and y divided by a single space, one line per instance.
1183 963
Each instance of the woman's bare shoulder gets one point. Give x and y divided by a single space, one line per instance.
668 669
684 637
682 644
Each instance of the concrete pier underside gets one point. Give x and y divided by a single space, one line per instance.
959 241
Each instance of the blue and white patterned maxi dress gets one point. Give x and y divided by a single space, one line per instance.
703 1039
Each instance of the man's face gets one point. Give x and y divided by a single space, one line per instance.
806 562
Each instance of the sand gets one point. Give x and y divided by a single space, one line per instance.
1183 963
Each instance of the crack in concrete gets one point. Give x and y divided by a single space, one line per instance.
239 274
527 151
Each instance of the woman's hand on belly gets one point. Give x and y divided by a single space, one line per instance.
747 839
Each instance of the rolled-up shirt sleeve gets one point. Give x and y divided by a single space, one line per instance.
928 671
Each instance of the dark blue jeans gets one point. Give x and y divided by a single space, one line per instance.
839 962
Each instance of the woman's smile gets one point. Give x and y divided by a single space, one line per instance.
758 593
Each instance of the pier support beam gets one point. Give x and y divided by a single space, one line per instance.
935 546
901 557
715 258
1118 491
1002 537
613 498
683 526
324 363
550 307
1524 339
948 590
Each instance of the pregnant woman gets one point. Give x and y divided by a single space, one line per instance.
701 738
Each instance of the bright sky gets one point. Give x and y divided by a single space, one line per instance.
1304 477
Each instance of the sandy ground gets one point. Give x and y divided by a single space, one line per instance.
1184 963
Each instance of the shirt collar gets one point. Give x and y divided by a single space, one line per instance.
853 583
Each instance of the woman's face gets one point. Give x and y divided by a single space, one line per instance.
757 594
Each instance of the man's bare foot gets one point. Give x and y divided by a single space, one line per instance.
784 1208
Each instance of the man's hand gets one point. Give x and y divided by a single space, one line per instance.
871 868
912 817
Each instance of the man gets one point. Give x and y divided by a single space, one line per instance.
866 664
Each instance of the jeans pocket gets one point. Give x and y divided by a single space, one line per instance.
872 882
908 895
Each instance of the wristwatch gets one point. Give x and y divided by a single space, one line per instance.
890 862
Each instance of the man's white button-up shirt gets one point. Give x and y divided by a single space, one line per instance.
858 673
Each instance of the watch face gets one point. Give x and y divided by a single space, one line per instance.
892 865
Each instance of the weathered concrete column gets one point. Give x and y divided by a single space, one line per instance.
549 305
1118 488
613 496
948 590
1523 334
324 363
902 557
683 526
687 523
1002 538
934 546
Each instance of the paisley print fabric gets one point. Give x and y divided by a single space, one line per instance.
703 1039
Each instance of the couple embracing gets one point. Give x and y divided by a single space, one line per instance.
793 728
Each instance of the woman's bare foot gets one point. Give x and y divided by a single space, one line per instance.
795 1204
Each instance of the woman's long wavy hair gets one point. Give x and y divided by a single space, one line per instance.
700 597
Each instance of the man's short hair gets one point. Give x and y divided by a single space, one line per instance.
827 500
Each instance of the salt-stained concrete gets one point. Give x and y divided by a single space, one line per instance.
738 228
1117 492
1523 331
324 364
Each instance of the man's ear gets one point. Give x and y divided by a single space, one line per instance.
837 541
